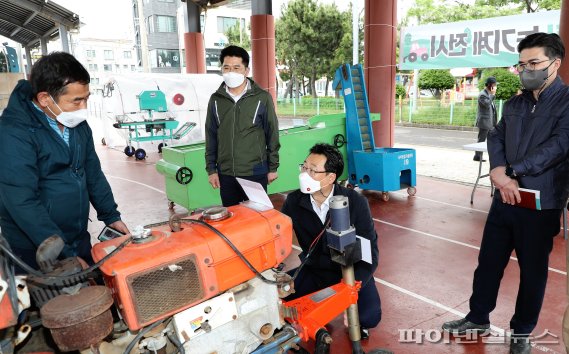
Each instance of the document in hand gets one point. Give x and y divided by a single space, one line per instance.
530 199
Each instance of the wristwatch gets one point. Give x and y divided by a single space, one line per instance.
510 172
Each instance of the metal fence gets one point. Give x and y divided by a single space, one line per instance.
429 111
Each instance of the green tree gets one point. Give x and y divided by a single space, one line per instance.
434 12
241 39
400 91
3 63
508 83
524 5
307 36
436 80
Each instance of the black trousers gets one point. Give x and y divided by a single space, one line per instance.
369 303
530 233
482 135
231 191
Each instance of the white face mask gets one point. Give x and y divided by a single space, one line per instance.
70 119
233 79
308 185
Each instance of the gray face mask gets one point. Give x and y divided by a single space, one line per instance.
534 79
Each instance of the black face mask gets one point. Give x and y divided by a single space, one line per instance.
534 79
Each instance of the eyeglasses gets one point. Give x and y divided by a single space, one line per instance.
308 170
531 65
234 68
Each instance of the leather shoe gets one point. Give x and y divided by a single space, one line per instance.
462 326
520 345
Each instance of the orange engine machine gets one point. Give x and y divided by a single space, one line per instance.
157 276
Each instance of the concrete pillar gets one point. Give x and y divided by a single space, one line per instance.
64 38
379 66
43 45
28 61
263 46
194 41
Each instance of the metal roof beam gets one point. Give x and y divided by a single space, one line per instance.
44 11
31 17
11 20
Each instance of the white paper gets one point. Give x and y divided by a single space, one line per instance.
366 249
256 194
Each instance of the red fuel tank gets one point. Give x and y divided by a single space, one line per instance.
171 271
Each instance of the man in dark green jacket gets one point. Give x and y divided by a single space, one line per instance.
50 171
241 130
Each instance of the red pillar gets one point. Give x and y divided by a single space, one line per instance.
195 53
379 66
263 52
564 33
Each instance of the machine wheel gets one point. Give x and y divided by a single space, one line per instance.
411 191
339 140
170 205
103 142
140 154
384 196
129 151
160 146
184 175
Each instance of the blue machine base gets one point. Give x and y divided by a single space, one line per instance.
384 169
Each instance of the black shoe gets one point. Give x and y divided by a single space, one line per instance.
520 345
461 327
364 333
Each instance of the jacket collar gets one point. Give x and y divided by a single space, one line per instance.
550 90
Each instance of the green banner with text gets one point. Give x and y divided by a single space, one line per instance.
486 43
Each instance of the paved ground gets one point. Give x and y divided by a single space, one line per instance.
440 153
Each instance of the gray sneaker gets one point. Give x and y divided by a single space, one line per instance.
520 345
463 326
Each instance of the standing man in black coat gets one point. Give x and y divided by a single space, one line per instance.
486 117
529 148
308 209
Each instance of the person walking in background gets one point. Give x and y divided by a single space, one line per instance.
241 130
486 117
528 148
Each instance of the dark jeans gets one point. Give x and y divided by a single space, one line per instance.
369 303
530 233
231 191
482 135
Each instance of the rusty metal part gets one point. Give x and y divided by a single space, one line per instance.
285 284
81 320
48 251
175 222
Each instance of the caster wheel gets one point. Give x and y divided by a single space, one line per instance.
129 151
160 146
170 205
411 191
140 154
384 196
103 142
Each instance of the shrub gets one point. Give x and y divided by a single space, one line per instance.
508 83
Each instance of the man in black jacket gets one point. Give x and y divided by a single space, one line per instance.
308 209
529 148
486 117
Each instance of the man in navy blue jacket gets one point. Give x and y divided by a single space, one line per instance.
308 209
529 148
50 172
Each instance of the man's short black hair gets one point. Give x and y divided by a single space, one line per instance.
52 72
334 160
491 80
234 51
550 42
